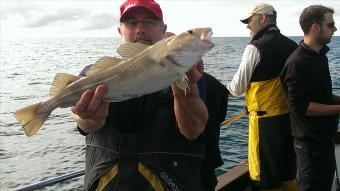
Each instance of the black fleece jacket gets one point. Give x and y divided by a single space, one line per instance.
306 78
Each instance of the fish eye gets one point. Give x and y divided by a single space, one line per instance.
189 31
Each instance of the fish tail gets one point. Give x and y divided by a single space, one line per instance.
30 119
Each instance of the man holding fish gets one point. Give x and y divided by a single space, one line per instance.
152 132
153 142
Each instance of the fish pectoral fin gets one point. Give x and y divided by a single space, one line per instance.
182 83
29 118
62 80
130 49
102 64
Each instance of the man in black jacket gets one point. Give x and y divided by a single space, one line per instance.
216 100
215 96
313 107
157 141
149 142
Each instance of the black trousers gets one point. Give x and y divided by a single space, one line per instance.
209 179
315 165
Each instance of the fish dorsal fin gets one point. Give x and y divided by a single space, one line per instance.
102 64
130 49
62 80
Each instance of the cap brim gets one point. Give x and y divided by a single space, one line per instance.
245 20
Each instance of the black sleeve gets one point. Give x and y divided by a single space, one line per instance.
217 102
298 82
224 103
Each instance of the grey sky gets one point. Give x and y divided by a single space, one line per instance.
87 18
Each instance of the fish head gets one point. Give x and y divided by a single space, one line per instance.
187 48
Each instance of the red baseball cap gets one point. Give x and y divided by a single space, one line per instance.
130 5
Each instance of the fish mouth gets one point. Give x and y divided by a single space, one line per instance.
206 37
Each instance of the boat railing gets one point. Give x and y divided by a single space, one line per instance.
52 181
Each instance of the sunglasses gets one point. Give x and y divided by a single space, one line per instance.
331 25
146 22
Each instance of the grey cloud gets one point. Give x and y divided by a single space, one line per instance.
20 9
100 21
32 15
62 15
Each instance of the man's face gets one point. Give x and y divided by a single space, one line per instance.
327 29
141 26
254 25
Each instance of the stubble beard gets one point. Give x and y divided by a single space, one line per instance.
323 40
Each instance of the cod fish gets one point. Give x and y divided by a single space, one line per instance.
141 69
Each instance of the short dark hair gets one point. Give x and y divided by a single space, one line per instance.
313 14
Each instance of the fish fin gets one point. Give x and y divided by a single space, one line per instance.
29 118
61 80
102 64
182 83
130 49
